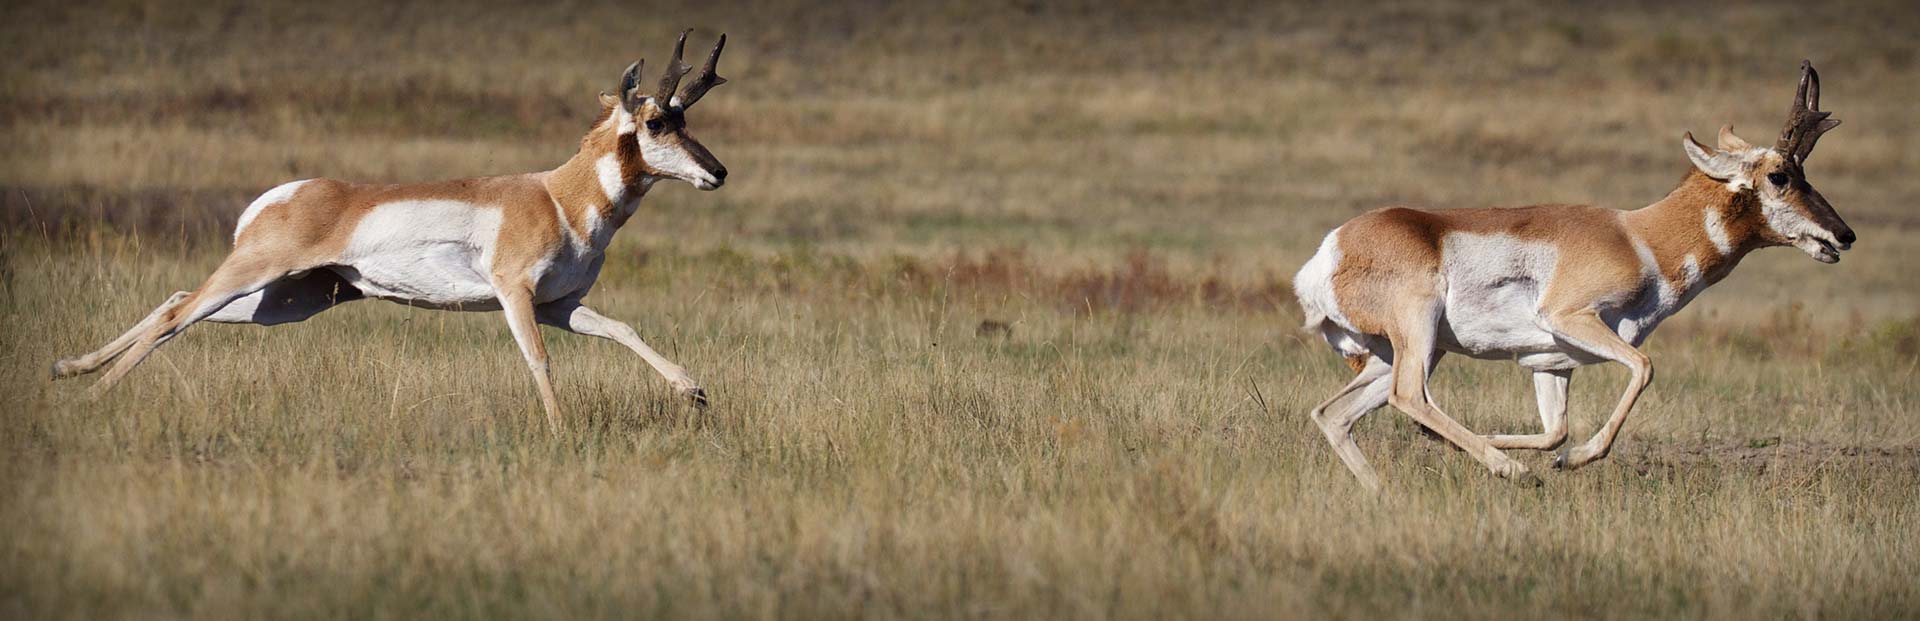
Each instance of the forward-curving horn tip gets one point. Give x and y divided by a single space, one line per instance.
1805 121
706 79
670 80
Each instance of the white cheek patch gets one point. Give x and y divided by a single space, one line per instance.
672 161
1784 219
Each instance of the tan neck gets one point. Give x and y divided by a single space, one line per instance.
1700 219
592 209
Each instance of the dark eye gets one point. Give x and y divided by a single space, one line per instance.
654 125
1777 179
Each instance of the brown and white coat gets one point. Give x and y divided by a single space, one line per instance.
1551 287
530 245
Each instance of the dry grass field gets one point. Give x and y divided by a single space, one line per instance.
1128 187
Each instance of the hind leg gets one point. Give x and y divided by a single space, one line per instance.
82 365
1336 416
240 275
1414 344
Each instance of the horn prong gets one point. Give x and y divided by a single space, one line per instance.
1805 121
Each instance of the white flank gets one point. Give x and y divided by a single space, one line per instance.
433 253
1495 284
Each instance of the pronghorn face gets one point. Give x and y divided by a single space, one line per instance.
1792 212
659 121
668 151
1797 214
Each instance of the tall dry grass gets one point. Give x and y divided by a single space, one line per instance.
993 311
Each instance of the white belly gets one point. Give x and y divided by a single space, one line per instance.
425 253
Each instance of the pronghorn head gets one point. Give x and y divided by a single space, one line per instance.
659 120
1793 212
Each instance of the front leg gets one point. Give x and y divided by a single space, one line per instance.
572 316
516 302
1585 330
1550 391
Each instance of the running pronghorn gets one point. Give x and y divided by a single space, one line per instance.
1551 287
530 245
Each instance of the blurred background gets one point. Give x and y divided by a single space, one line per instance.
994 308
1226 134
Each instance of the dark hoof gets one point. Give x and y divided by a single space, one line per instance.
1527 479
698 397
1560 461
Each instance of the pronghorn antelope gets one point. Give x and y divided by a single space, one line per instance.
530 245
1551 287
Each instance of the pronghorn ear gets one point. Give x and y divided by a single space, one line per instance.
630 97
1719 165
1730 142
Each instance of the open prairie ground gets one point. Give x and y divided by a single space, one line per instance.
1127 188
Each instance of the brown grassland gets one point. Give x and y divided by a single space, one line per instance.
1127 187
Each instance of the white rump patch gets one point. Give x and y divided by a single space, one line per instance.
1313 288
279 194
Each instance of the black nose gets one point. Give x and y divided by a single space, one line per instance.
1846 236
721 174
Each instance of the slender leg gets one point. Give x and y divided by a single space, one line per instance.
1585 330
82 365
575 317
237 277
1413 346
1336 416
1550 391
516 302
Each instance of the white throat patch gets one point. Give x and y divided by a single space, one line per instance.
607 168
1717 231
